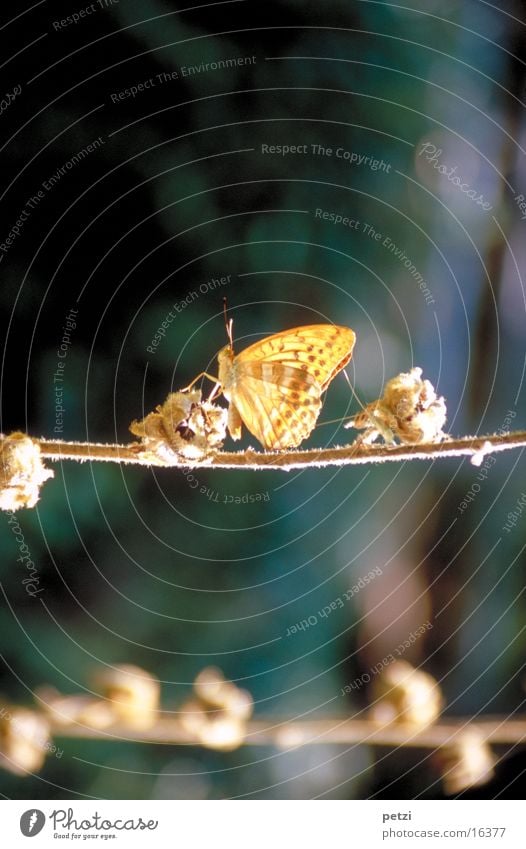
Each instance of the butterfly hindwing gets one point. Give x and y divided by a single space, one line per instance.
279 414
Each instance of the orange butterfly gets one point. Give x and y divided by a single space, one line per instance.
275 385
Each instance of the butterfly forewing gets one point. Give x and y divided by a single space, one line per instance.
323 348
275 385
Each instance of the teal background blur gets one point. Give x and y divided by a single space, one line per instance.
142 566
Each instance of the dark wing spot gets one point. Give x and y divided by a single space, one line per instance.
317 372
311 358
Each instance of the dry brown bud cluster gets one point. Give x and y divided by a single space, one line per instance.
409 410
404 694
24 740
218 713
123 695
468 762
22 472
183 428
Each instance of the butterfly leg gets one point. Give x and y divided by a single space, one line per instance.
202 374
234 422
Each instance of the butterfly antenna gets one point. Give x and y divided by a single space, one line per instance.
229 323
353 392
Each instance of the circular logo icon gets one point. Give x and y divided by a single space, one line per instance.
32 822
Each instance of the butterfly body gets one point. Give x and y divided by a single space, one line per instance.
275 385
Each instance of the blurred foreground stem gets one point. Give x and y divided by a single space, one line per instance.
287 734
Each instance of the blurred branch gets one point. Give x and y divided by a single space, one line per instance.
218 716
356 453
289 733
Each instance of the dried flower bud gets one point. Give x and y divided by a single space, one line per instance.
466 762
209 684
77 709
216 729
409 411
24 740
132 693
407 695
217 716
21 471
183 428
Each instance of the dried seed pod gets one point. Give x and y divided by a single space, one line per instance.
217 716
409 410
209 684
466 762
183 428
22 472
403 694
214 728
24 740
132 693
82 709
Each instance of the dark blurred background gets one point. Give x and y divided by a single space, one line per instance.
138 565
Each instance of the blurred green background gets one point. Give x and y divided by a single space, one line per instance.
138 565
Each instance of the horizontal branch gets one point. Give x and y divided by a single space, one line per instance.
357 453
290 733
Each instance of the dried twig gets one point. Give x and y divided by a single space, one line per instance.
346 455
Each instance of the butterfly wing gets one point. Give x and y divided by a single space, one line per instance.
322 349
275 385
279 409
